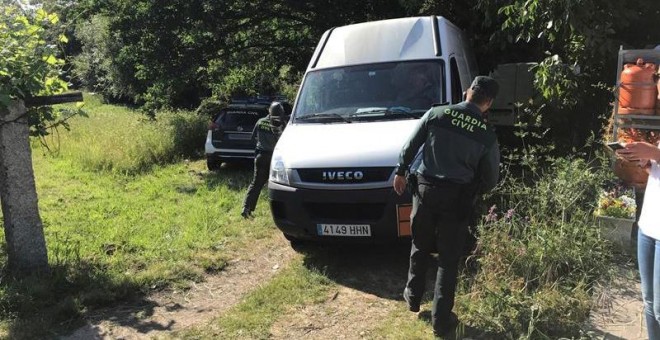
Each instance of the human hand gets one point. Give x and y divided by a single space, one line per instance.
638 151
644 163
399 184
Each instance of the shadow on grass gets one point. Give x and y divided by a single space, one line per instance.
380 270
49 306
376 269
236 176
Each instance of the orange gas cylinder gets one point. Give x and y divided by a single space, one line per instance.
638 92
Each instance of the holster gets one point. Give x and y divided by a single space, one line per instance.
413 184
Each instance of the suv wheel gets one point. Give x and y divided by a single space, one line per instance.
213 164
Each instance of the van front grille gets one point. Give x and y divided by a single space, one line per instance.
345 175
346 211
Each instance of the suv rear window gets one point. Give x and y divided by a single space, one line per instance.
231 118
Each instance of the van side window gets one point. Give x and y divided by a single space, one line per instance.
456 88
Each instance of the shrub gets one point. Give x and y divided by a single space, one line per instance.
92 66
188 131
122 140
209 107
539 255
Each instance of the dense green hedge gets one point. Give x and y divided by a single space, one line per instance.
175 55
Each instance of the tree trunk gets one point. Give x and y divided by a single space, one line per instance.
26 245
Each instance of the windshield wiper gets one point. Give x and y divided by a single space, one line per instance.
324 115
388 110
403 110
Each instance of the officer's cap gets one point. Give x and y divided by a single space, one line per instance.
276 109
486 86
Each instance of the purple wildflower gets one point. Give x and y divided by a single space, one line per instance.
492 215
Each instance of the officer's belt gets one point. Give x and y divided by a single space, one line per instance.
434 181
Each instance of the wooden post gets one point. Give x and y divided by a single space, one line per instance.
26 245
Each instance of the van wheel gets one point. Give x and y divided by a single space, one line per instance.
295 242
213 164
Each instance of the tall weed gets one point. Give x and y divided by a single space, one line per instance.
112 236
538 254
121 140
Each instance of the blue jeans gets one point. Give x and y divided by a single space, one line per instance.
648 256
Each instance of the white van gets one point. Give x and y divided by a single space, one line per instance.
365 88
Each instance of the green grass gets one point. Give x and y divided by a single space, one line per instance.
127 210
401 324
141 226
117 231
122 140
295 286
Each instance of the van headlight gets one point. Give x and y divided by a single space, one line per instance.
278 172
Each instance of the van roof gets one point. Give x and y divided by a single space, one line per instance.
381 41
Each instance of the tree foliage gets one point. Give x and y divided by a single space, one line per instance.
31 63
179 53
576 44
176 54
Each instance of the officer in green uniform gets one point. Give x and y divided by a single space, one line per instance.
460 159
266 131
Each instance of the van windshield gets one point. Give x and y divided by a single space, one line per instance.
401 90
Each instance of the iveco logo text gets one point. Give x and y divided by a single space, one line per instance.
342 175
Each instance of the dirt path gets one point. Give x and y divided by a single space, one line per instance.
348 314
619 311
165 312
370 281
369 285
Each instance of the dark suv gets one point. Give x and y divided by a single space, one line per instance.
230 131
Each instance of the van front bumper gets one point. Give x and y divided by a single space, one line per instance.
300 213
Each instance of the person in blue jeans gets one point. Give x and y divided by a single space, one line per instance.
648 235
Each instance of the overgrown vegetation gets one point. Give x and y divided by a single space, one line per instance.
539 254
113 236
177 55
125 212
126 142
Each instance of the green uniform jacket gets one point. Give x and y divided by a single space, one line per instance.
266 135
459 146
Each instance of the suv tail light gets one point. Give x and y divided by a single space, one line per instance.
213 126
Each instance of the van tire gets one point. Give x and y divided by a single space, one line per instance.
213 164
295 242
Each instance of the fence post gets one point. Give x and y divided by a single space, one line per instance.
26 245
